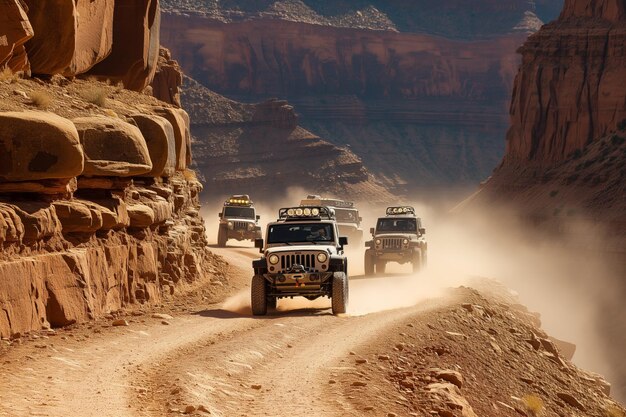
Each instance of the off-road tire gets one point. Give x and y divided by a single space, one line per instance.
222 237
272 302
258 296
369 262
380 267
417 261
339 296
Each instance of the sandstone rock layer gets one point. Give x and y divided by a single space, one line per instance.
15 30
135 53
37 145
70 36
112 147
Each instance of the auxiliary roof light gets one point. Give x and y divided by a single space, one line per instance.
306 212
400 210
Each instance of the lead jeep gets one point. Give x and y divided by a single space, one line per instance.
346 215
238 220
302 256
398 237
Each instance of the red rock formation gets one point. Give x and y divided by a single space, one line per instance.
612 10
570 88
168 79
135 53
70 36
15 30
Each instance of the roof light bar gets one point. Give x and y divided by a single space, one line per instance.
391 211
306 212
238 200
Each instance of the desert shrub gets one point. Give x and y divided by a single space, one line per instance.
40 98
533 404
95 95
7 75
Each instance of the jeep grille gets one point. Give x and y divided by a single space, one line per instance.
240 225
306 260
392 243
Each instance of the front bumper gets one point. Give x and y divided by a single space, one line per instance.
299 283
404 255
244 234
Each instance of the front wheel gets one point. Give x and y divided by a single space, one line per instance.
369 263
417 261
272 302
258 296
222 237
339 296
380 267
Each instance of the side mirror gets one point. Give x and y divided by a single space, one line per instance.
422 231
372 230
219 214
258 243
343 241
258 217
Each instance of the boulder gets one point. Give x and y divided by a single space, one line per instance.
141 216
113 148
71 36
180 122
133 59
15 30
159 135
38 218
114 213
77 217
167 79
37 146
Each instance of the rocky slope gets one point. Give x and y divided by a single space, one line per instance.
260 149
98 208
421 100
564 164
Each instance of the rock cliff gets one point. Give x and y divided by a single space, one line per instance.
98 207
419 109
261 149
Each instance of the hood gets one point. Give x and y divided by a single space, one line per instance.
302 248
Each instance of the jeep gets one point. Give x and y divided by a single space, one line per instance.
302 256
238 220
398 237
346 215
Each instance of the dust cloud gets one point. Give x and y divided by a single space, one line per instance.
557 274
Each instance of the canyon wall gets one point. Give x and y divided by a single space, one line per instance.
419 110
99 210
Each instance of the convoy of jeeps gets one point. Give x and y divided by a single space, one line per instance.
302 254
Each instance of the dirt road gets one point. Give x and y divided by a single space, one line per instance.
218 357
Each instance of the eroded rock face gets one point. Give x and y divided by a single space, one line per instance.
113 148
70 36
159 135
179 120
15 30
133 59
36 146
168 79
570 88
612 10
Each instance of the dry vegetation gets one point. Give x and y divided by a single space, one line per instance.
533 405
95 94
41 99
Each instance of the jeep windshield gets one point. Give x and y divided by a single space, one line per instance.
389 225
301 232
239 212
346 216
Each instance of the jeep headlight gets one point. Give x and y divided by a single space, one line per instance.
250 226
273 259
230 225
405 241
322 257
378 242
